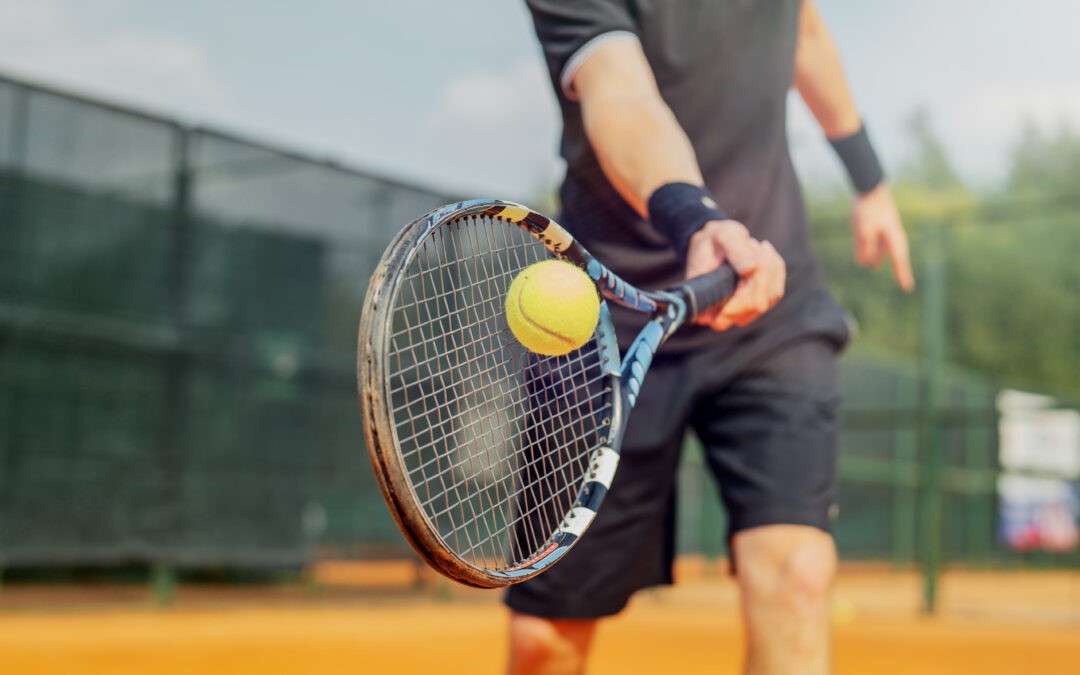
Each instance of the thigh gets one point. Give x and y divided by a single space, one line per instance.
770 437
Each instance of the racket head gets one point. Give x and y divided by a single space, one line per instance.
491 459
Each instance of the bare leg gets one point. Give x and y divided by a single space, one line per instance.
785 574
541 646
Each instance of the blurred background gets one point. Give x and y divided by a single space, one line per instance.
193 196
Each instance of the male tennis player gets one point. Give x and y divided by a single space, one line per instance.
677 159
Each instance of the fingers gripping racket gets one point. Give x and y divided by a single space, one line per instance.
492 459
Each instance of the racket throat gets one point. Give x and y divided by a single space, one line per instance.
640 355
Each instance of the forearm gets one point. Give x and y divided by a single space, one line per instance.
819 76
649 159
634 134
640 147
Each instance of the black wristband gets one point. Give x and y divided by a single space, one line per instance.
860 160
678 210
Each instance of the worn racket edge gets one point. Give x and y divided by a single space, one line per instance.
494 460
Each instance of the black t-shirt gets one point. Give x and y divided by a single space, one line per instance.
724 68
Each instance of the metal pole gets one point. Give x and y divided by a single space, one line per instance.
904 499
12 225
170 500
163 583
932 450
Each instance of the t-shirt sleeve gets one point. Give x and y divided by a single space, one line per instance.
570 31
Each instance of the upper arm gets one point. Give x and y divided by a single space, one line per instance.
809 19
588 41
811 31
617 69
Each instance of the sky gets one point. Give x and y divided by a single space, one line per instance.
454 95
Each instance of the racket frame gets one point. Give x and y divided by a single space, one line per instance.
623 375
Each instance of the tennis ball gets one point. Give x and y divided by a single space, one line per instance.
552 307
843 612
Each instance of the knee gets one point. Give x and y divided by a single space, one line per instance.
532 641
545 645
793 572
807 575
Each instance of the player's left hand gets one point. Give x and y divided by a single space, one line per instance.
879 232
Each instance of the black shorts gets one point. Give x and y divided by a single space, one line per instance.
768 423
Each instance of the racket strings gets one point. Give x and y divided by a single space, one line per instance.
478 510
549 438
487 501
493 502
437 270
495 439
506 387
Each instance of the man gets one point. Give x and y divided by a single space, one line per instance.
677 160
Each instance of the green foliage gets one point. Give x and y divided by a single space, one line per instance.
1046 165
931 166
1013 275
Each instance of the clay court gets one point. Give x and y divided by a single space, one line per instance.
368 620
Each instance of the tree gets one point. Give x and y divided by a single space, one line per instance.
1045 164
930 167
1012 276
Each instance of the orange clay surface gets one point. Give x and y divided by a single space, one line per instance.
371 619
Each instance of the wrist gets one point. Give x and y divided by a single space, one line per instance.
723 231
878 191
679 211
860 160
840 125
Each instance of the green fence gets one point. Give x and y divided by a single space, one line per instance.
178 315
178 311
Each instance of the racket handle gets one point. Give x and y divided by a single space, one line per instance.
710 289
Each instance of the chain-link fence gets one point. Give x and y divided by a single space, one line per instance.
178 316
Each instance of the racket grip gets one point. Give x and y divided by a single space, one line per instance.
710 289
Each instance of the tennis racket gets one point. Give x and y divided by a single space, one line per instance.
492 459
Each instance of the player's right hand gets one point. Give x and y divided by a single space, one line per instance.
762 272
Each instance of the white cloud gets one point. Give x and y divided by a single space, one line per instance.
999 110
21 20
45 39
984 123
498 127
487 98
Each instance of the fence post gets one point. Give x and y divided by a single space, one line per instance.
905 454
19 154
932 450
163 584
172 507
11 213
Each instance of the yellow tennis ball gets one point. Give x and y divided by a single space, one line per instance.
843 612
552 307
